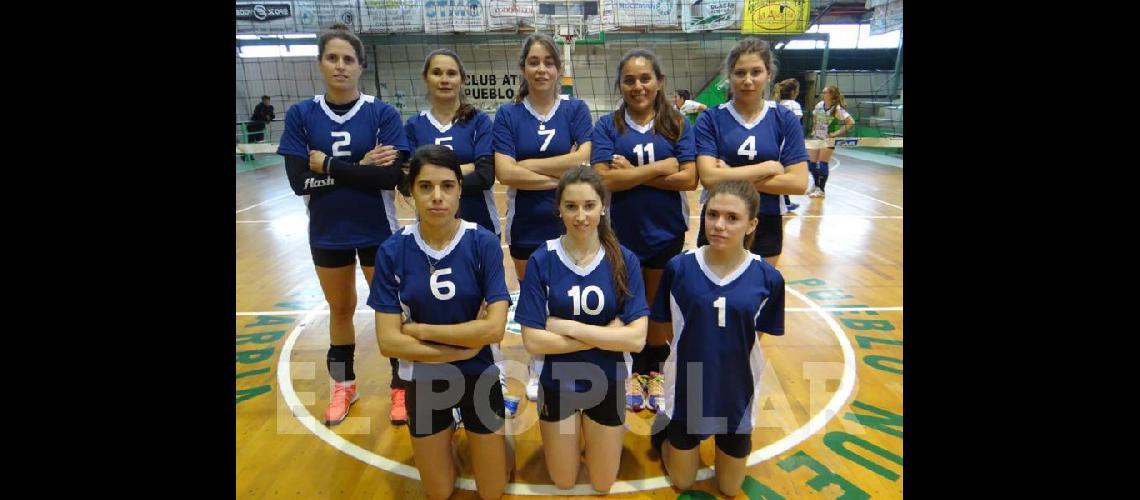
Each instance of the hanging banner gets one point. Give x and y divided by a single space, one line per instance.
775 16
887 17
704 15
604 21
646 12
391 16
446 16
314 16
265 18
503 14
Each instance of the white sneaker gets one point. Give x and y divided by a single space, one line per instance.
815 193
532 388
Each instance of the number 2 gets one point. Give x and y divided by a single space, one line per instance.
346 140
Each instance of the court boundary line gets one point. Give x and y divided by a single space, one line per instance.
691 217
339 443
286 195
299 312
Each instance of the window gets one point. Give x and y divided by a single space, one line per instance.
305 46
847 36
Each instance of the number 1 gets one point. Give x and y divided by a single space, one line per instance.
720 304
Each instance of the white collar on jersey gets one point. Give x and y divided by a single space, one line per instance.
320 99
633 125
431 119
740 119
414 230
542 118
700 253
555 246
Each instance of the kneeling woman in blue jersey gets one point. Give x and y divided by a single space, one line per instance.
720 298
582 311
441 307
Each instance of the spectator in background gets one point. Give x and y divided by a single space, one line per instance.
262 115
684 103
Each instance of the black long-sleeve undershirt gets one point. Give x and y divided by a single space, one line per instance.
365 177
480 179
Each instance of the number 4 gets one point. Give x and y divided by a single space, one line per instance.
748 148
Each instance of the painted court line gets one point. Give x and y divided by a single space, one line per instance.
814 425
299 312
867 197
691 217
266 201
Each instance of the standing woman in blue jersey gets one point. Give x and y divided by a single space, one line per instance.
537 138
719 299
441 308
645 152
582 311
341 149
748 138
452 122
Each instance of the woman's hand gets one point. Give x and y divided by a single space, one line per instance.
620 162
317 161
380 156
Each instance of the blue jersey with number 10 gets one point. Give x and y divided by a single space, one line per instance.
555 286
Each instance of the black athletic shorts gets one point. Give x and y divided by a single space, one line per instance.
475 392
340 258
733 445
557 405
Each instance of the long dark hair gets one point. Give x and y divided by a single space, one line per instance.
341 31
550 47
585 175
466 110
431 154
667 120
747 193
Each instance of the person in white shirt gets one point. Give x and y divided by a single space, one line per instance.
685 104
785 94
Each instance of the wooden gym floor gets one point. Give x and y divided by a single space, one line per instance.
830 411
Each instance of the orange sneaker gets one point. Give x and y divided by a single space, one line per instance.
399 413
343 395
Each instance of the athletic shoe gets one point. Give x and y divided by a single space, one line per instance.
635 393
398 415
343 395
